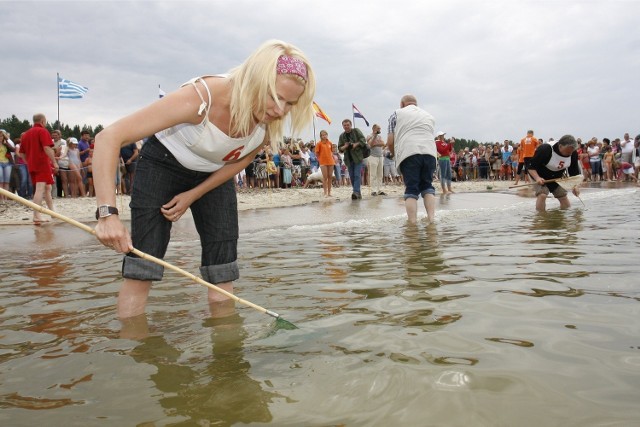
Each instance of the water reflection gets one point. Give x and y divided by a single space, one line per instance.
535 292
421 263
15 400
50 266
422 257
419 314
207 389
331 255
556 229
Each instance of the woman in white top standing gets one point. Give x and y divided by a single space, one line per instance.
594 159
202 135
76 186
376 161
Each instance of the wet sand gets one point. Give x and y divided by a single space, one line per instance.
83 209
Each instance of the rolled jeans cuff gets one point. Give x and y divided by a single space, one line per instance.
141 269
220 273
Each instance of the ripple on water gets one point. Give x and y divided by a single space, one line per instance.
495 316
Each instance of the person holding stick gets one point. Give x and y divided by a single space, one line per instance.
549 162
199 138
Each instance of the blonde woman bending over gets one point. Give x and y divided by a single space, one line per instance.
197 139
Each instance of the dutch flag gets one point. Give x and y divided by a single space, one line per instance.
358 114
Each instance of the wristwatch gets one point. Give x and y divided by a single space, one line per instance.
105 211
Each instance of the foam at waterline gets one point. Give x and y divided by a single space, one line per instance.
594 193
395 221
52 259
341 226
443 216
453 215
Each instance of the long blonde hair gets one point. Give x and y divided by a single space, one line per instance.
253 82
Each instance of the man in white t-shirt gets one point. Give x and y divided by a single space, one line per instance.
59 187
627 149
411 139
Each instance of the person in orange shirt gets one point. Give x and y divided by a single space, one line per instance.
324 153
527 149
528 145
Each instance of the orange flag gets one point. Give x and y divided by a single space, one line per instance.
321 113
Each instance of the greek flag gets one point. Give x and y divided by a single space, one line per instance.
70 90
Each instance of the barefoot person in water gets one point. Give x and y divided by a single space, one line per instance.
411 140
550 162
199 138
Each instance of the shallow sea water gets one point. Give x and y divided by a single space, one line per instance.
494 316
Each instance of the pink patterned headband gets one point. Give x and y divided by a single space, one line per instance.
290 65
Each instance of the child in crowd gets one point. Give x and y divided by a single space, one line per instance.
272 172
287 166
608 158
627 172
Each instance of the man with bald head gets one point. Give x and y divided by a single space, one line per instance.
36 149
411 139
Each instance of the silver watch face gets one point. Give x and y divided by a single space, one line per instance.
103 211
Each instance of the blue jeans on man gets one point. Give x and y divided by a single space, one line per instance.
417 173
355 174
26 188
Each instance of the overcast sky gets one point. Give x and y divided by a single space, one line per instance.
486 70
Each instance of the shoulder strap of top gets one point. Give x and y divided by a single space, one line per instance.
205 106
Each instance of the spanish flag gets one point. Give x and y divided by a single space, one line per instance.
320 113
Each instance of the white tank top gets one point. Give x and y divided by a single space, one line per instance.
204 147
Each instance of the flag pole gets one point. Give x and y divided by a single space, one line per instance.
353 115
58 87
314 130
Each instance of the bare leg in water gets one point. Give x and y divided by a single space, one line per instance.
411 206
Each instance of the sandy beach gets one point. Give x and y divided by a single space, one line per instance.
83 209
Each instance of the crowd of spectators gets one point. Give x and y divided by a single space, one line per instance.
600 160
296 161
74 158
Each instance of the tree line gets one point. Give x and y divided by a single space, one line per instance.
16 127
461 144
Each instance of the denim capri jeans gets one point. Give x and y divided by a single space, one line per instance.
160 177
417 173
445 170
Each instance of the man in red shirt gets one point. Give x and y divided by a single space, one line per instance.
37 150
444 148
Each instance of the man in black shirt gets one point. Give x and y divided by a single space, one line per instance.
129 154
549 163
